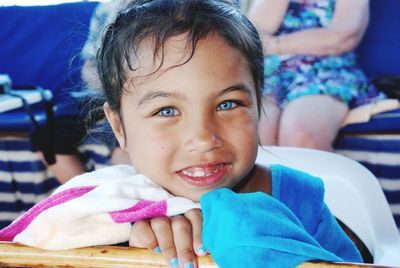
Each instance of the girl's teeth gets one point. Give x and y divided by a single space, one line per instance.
201 172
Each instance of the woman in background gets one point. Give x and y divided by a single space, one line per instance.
311 75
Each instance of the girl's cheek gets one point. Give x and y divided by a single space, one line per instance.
241 119
162 140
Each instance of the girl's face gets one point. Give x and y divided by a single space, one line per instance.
191 128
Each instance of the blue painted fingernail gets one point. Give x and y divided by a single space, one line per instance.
157 250
188 265
202 250
175 263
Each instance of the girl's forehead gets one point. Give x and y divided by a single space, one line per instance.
151 59
153 56
179 72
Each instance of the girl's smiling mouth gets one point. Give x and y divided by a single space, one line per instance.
204 175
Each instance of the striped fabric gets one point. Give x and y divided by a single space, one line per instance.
376 145
25 180
108 200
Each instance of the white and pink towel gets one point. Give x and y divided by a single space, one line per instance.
95 208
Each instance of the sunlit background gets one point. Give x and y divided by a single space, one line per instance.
40 2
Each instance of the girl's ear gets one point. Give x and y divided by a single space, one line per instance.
116 124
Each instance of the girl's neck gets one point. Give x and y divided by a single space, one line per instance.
258 180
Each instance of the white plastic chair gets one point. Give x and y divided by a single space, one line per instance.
352 193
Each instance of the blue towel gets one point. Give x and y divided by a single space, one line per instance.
256 230
303 194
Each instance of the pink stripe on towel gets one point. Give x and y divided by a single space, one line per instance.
143 209
8 233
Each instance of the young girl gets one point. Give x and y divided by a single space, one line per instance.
183 81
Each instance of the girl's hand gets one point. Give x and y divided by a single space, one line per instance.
178 238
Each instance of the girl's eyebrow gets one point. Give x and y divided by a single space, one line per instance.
238 87
151 95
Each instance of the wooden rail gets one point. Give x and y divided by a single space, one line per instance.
16 255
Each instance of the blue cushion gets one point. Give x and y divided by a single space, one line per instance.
40 45
19 120
385 123
379 51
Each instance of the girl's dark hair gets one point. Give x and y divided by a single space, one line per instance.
159 20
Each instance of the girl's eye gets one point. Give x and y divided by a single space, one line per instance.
226 105
168 111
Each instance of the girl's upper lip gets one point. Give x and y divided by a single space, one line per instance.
205 165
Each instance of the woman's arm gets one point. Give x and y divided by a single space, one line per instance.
267 16
65 167
347 28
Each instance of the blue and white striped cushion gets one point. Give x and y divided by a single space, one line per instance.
376 145
25 180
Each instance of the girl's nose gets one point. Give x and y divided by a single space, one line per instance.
203 137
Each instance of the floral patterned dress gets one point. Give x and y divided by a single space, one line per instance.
288 77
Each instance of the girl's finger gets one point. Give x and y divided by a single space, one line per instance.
182 231
162 229
142 236
196 219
